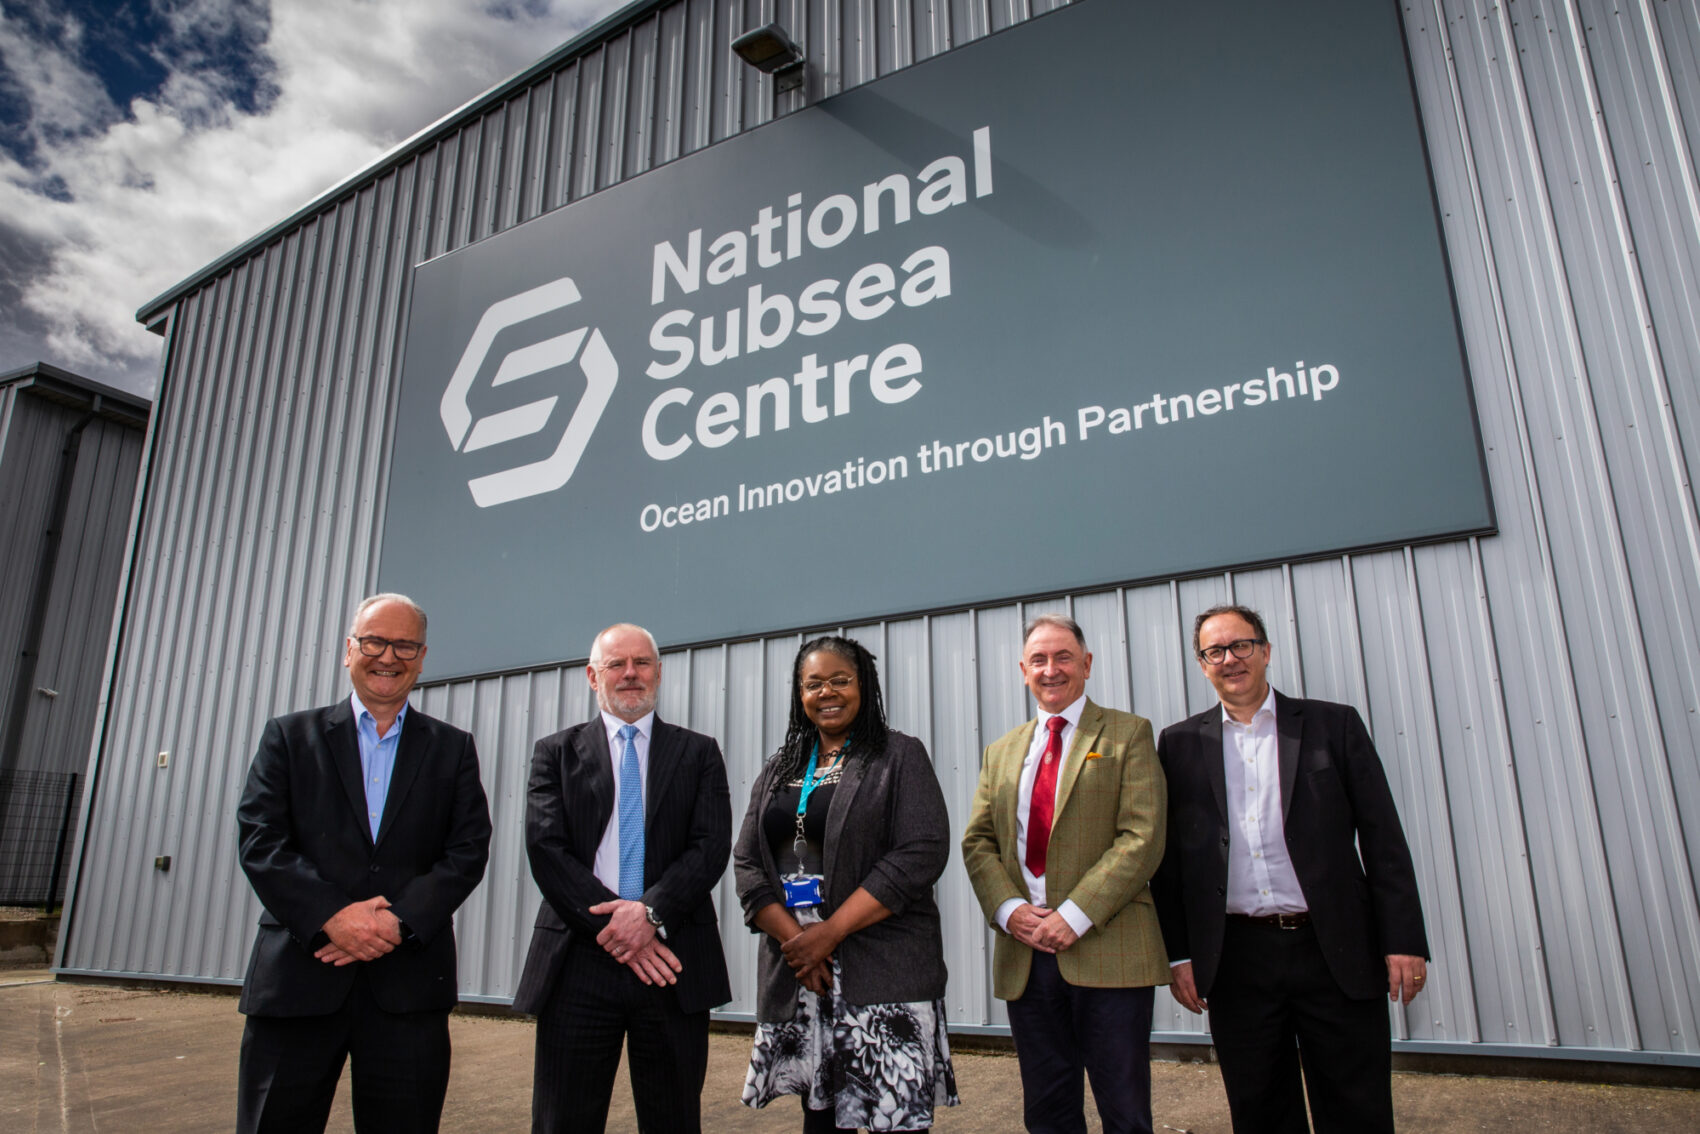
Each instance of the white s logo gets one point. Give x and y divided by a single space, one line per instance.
595 361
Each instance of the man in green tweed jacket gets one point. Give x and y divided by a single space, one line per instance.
1066 830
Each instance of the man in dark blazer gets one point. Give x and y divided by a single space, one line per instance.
363 827
1287 894
628 826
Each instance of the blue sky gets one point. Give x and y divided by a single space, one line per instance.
141 139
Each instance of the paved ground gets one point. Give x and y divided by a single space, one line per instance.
77 1057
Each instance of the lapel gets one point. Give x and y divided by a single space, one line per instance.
343 744
1212 757
1289 724
409 754
1086 735
666 746
594 777
1010 757
849 782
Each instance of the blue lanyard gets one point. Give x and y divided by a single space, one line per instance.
812 781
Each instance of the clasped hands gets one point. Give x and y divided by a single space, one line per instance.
1039 928
631 940
809 953
360 931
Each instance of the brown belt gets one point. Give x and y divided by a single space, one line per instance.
1274 920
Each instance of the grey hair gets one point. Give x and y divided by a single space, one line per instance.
596 643
388 596
1061 621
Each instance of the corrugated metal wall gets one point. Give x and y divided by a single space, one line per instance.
1535 695
35 423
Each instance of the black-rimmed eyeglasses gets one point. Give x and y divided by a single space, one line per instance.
1216 655
374 647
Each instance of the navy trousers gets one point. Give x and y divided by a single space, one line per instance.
1062 1031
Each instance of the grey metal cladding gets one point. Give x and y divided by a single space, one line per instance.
1535 695
71 609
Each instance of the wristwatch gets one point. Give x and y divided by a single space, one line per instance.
655 920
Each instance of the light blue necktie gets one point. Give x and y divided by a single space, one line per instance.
631 819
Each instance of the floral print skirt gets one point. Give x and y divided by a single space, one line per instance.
880 1066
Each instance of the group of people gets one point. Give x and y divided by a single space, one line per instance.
1251 858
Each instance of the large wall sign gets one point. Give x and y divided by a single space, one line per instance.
1129 291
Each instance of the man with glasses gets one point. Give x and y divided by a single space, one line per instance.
1287 894
1065 832
363 827
628 825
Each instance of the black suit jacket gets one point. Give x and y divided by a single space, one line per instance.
687 840
1335 803
307 848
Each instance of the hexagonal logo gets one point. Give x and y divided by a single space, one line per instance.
585 346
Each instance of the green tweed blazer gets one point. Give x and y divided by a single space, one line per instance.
1106 841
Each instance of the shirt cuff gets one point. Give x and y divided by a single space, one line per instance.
1075 916
1182 961
1009 906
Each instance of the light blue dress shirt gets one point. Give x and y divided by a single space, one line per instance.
377 759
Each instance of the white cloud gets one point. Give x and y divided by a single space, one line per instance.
120 206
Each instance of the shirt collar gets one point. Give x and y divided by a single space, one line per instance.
1070 714
645 724
362 713
1268 707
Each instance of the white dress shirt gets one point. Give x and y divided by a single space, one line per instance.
607 868
1260 873
1073 914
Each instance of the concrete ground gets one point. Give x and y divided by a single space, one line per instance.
81 1057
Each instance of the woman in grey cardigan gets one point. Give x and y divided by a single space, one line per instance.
845 835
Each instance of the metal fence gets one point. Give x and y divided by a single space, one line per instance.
37 811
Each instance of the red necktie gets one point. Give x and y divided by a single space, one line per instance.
1041 808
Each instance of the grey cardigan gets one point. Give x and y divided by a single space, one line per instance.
887 831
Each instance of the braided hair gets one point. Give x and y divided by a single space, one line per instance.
867 732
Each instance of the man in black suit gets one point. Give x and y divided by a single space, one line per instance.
628 826
1272 919
363 828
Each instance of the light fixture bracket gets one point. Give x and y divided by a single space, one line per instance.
769 50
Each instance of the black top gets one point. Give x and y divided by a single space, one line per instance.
779 824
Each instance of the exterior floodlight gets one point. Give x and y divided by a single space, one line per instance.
770 50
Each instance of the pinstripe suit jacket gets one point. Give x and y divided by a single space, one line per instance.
1106 842
687 834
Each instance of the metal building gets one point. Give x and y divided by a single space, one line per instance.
70 452
1535 694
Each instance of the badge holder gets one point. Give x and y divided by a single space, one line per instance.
802 889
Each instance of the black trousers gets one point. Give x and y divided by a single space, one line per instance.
1274 1008
1062 1030
598 1004
290 1066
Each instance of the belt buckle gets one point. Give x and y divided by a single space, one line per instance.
1288 921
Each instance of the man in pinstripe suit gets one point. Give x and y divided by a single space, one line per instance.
1066 831
628 826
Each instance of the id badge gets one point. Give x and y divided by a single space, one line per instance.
801 890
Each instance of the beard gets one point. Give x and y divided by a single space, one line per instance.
627 704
